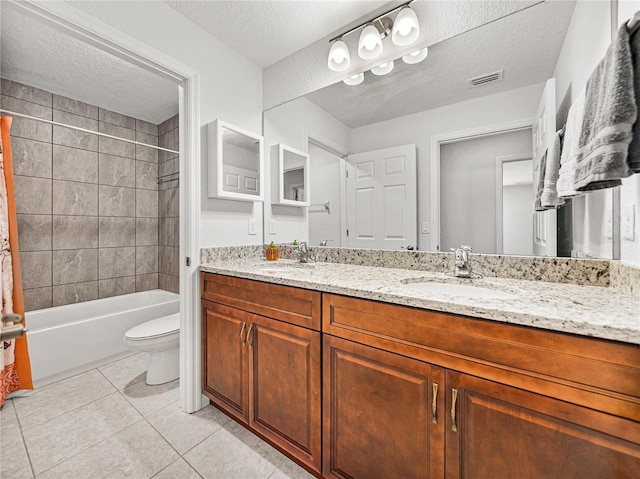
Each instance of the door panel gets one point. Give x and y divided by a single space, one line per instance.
285 387
381 199
544 130
225 362
378 414
506 432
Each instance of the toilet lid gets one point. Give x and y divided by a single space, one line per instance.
155 328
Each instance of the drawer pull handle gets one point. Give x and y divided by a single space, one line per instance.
250 336
454 398
244 341
434 404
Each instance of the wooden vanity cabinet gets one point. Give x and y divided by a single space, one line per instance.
383 414
512 401
497 431
265 372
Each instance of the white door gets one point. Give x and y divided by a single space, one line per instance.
381 199
544 130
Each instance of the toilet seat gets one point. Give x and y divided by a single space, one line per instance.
155 328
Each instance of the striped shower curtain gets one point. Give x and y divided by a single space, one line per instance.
15 368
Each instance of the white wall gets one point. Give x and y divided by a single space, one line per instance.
585 44
290 124
230 89
468 189
630 191
418 128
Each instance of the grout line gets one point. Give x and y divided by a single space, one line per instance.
24 443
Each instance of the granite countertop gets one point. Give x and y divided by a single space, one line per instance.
585 310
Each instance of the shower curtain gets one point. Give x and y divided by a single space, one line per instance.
15 368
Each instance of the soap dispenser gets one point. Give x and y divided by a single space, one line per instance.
271 252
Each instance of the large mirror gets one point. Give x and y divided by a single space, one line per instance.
473 116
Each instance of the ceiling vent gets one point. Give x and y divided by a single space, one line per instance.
484 79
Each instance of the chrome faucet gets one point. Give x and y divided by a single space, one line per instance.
461 267
303 254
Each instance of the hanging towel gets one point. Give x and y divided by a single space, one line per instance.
543 168
609 114
633 158
573 129
549 198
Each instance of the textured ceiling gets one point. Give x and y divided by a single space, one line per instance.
525 45
266 31
36 54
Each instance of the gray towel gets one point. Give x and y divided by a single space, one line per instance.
609 114
543 168
549 198
633 159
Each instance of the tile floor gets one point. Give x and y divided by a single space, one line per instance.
107 423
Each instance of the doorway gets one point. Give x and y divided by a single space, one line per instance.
69 20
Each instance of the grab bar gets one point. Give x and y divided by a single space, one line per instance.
16 330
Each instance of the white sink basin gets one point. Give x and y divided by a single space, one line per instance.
460 290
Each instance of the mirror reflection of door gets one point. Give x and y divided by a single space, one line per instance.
381 199
469 190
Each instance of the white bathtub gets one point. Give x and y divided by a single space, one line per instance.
67 340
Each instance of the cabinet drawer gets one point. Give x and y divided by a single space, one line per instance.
297 306
551 363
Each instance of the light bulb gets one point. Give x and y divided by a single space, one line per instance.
339 58
383 68
370 43
416 56
406 28
354 79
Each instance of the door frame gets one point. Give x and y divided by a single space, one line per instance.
442 139
330 146
500 161
90 30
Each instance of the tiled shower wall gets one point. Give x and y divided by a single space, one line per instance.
169 205
87 205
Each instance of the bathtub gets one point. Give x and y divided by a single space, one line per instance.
67 340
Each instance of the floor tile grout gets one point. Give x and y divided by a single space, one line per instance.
141 420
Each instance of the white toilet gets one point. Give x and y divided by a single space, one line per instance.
161 339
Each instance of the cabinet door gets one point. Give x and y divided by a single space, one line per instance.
225 358
380 416
285 387
498 431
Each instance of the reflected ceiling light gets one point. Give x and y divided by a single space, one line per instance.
383 68
406 28
370 43
416 57
354 79
339 58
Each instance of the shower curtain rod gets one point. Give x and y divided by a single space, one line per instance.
51 122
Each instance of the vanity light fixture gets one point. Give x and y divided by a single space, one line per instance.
406 28
416 57
383 68
354 80
339 58
373 32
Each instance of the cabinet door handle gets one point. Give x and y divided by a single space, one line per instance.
434 404
249 336
454 399
244 341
